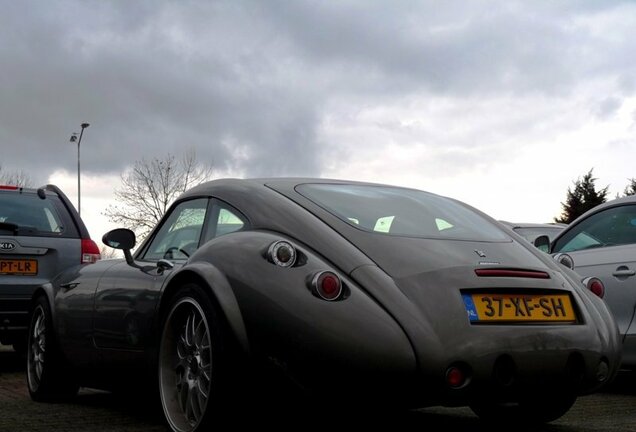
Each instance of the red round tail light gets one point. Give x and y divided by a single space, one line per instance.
595 285
455 377
327 285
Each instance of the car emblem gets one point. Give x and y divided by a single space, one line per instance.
7 246
481 254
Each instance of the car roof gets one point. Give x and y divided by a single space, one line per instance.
254 184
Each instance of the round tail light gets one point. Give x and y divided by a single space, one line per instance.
327 285
455 377
595 285
282 253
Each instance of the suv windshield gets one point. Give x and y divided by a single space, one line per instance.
401 212
28 214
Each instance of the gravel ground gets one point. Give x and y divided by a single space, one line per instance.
611 411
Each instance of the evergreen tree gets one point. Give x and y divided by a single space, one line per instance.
582 198
630 189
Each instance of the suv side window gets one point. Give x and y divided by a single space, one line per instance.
611 227
180 234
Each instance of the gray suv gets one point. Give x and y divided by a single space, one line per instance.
41 234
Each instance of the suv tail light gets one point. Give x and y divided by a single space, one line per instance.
7 187
90 251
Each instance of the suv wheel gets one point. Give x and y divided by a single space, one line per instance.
48 375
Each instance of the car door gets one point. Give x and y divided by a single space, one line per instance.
604 245
126 298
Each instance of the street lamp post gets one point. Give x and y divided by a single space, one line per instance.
79 141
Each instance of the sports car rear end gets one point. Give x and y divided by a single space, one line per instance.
491 320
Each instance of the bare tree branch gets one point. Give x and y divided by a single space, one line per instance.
150 186
15 178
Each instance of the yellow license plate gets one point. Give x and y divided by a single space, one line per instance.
519 308
18 267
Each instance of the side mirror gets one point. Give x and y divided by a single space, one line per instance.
124 239
542 243
120 238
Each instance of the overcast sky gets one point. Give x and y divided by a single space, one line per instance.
499 104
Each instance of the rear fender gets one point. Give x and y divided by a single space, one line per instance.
211 279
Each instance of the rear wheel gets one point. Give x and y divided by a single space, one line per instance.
48 375
192 361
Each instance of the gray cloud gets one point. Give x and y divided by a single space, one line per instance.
248 83
608 107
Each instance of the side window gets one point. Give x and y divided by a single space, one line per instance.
224 220
611 227
180 233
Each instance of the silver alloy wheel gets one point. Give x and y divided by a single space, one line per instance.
36 348
185 365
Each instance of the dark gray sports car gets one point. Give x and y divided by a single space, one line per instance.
369 292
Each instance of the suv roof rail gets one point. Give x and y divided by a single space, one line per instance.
79 223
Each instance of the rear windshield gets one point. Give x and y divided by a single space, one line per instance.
27 214
401 212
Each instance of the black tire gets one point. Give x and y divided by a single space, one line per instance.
49 377
535 410
193 364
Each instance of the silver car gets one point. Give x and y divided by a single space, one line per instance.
602 243
360 293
